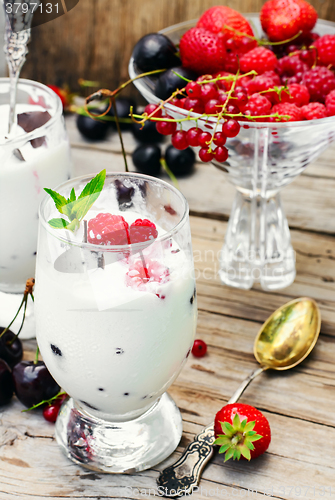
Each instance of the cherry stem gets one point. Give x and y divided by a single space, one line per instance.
36 355
120 135
28 291
45 401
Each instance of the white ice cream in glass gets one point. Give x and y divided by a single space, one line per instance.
36 153
116 317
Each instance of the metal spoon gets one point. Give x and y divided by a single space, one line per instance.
284 340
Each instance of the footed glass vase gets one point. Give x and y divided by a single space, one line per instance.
263 159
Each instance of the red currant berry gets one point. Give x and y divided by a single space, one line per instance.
205 155
50 412
231 45
199 348
208 91
241 98
166 128
193 136
221 154
179 140
174 101
219 139
193 89
150 108
232 109
194 104
223 97
231 128
204 138
212 107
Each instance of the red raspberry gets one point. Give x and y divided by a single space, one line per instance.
257 105
296 94
139 276
313 111
291 66
319 81
259 59
326 49
142 230
202 51
330 103
259 84
108 229
286 108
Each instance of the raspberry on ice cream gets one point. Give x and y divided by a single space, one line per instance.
140 275
142 230
108 229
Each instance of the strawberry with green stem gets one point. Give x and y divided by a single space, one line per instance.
241 431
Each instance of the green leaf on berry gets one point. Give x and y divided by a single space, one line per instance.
76 209
237 438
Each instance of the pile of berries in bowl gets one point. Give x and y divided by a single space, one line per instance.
222 75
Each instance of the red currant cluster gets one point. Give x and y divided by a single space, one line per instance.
217 98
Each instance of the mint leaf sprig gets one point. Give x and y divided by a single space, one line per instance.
75 208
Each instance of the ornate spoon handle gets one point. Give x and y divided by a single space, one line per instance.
17 36
184 475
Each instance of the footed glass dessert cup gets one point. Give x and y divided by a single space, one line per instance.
115 323
35 154
263 159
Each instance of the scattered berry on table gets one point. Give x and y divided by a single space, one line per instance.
147 159
180 162
33 383
146 133
93 129
241 431
155 51
199 348
10 348
108 229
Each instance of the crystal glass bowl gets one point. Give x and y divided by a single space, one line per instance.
263 158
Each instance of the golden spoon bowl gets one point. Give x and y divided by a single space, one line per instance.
288 335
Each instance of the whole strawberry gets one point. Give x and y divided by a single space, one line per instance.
63 94
202 51
283 19
241 431
218 19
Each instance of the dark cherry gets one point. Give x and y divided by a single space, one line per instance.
148 134
11 353
180 162
6 383
92 129
33 383
147 159
155 51
123 105
169 81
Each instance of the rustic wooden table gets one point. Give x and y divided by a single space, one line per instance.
299 404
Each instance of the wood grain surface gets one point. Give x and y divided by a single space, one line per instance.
300 404
95 39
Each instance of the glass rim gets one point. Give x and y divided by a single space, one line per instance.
58 111
196 116
115 248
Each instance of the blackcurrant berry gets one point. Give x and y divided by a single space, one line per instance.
180 162
148 133
155 51
10 348
147 159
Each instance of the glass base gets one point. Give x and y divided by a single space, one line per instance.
119 447
257 245
9 304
